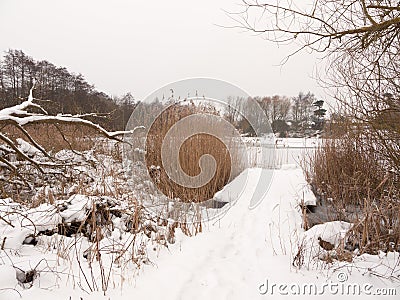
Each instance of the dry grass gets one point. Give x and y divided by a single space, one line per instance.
143 229
342 170
227 162
56 137
53 138
362 188
378 229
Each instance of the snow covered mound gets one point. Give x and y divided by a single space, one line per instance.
83 235
332 232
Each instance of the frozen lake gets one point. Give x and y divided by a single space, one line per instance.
281 152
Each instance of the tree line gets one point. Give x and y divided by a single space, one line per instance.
61 91
302 115
68 93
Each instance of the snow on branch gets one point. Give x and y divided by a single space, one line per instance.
19 116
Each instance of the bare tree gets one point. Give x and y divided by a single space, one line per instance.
283 107
30 112
360 40
265 103
233 108
323 25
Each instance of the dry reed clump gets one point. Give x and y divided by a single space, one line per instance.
189 155
353 180
74 149
55 137
341 169
378 229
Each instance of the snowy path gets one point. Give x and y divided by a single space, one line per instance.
234 255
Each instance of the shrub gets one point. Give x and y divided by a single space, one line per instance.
363 187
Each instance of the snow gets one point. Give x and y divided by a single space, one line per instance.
78 208
331 232
233 254
27 148
20 109
237 255
19 116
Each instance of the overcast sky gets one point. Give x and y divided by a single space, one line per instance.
141 45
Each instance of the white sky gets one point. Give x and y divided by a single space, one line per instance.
141 45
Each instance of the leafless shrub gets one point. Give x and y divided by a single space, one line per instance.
298 260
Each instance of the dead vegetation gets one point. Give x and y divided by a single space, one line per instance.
227 157
56 137
355 183
53 163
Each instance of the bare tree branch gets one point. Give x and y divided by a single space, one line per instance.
19 117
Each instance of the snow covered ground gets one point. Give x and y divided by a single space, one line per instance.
246 254
234 257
